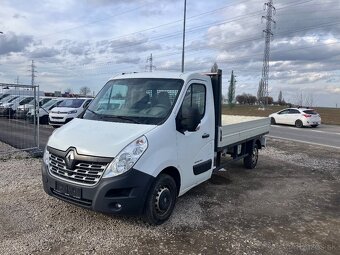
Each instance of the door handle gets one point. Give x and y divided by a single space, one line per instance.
205 135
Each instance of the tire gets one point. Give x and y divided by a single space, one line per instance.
161 200
250 161
272 121
298 124
314 126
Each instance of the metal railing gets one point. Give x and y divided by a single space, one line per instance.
18 128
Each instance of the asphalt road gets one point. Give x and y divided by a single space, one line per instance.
20 134
325 135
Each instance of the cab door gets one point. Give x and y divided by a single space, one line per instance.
196 147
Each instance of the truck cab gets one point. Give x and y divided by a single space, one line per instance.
144 140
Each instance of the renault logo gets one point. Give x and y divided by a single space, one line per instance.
70 159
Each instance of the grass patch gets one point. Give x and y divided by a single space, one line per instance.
328 115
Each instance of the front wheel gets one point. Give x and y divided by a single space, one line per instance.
272 121
250 161
161 200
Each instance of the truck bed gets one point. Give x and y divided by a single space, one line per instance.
236 128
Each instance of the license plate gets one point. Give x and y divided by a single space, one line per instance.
68 190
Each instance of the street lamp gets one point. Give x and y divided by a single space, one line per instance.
185 11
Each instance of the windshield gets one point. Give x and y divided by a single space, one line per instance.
3 96
140 100
310 112
72 103
13 98
49 103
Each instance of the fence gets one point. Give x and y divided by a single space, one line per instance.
19 124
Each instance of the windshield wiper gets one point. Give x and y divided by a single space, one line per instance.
122 118
95 113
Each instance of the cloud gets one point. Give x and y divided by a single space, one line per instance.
10 42
333 89
43 52
127 60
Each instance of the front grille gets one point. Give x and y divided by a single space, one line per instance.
85 173
57 118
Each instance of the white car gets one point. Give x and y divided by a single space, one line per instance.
8 109
68 110
44 110
22 110
299 117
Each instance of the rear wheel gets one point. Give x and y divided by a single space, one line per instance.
161 200
250 161
272 121
298 124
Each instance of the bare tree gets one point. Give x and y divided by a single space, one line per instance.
85 91
214 68
309 100
68 91
280 98
231 90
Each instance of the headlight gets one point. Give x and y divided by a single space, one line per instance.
71 112
46 157
127 158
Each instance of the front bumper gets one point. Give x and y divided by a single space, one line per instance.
21 114
59 122
6 112
124 194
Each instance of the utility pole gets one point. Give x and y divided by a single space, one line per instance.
150 66
268 34
185 13
33 71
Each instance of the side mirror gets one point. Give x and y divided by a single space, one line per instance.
188 120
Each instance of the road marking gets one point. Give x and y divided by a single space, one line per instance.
311 130
311 143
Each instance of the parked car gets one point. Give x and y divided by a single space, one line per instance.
299 117
44 110
8 99
67 111
22 110
3 96
8 109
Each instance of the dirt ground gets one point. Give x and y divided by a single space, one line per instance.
290 204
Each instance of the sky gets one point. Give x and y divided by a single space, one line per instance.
84 43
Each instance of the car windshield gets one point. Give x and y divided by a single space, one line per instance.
13 98
26 100
72 103
310 112
139 100
49 103
4 96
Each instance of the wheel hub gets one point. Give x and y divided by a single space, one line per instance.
163 199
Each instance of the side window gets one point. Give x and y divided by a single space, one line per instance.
294 111
195 97
284 112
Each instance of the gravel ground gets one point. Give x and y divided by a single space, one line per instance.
289 205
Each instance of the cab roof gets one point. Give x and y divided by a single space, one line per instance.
159 74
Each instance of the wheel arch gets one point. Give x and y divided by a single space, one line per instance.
174 173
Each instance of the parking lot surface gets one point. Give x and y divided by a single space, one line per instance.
289 204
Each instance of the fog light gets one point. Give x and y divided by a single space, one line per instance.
118 206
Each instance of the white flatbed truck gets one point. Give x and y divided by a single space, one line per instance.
166 136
